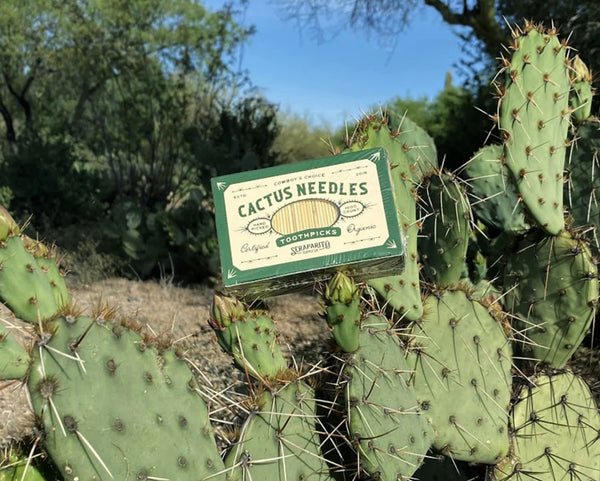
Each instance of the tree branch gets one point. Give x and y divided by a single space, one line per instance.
11 135
481 18
25 105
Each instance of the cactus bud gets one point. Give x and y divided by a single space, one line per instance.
8 226
224 311
580 71
340 289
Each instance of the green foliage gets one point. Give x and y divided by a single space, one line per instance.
298 139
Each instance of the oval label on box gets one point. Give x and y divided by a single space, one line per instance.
352 208
259 226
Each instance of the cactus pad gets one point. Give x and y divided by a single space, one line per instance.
280 439
114 407
446 228
14 360
462 379
401 291
534 120
385 421
249 336
556 428
582 93
496 200
552 290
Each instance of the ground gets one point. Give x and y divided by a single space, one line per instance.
184 312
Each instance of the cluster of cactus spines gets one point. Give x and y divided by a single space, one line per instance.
460 351
582 91
555 427
534 118
14 359
280 438
446 229
249 336
343 311
495 198
552 290
113 406
390 433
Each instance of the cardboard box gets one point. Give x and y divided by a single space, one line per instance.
284 228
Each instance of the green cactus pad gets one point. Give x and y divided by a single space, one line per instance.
582 93
556 426
14 359
582 190
23 285
446 228
113 407
534 120
343 311
280 440
462 379
552 289
385 421
249 336
16 468
495 197
401 291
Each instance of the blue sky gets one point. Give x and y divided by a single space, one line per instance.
333 81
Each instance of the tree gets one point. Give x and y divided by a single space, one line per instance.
121 111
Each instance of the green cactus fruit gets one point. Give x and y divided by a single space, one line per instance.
555 424
551 290
401 291
14 359
495 198
582 93
47 260
582 189
534 119
114 407
462 377
23 285
390 433
280 439
446 229
249 336
18 468
343 311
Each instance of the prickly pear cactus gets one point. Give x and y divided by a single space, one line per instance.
114 407
446 229
552 291
385 421
343 311
249 336
280 438
462 377
495 198
17 467
534 120
555 424
14 359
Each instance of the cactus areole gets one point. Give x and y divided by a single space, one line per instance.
284 227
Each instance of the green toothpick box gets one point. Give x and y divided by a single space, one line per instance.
287 227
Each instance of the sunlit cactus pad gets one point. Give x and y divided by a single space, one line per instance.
386 424
462 379
280 440
556 432
113 407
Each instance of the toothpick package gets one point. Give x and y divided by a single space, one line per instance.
285 227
